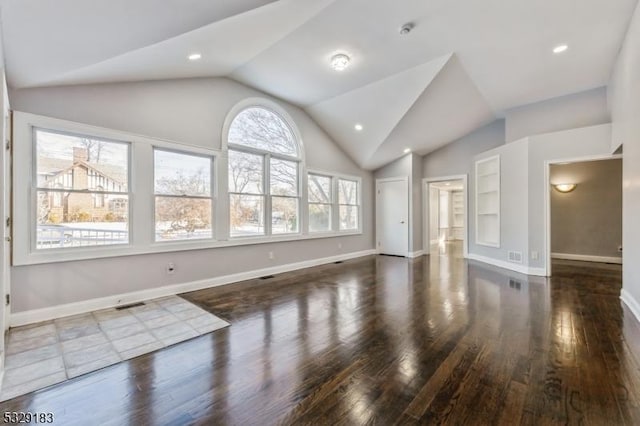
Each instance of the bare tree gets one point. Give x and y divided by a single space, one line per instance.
94 149
263 129
183 210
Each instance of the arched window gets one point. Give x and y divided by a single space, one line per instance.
264 170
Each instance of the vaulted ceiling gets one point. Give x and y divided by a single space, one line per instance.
464 63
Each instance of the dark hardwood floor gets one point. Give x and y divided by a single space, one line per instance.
383 340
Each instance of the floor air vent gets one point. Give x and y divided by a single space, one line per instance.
131 305
267 277
514 284
515 256
338 262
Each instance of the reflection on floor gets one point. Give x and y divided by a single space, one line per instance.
383 340
46 353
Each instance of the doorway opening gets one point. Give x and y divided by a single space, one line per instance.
584 212
446 204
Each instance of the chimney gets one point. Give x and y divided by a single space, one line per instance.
80 154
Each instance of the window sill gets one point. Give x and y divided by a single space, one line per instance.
93 253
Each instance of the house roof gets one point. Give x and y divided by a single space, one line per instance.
55 166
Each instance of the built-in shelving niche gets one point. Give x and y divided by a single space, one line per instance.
488 201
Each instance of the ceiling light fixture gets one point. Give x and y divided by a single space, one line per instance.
358 127
560 48
406 28
194 56
407 150
340 61
565 187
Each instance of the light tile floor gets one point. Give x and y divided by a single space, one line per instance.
46 353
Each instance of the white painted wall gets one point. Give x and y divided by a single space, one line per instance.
563 113
417 244
523 191
189 111
409 166
513 202
624 99
5 193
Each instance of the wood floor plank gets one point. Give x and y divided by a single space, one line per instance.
383 340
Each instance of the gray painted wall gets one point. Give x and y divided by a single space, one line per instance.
588 220
625 111
566 112
457 157
189 111
560 146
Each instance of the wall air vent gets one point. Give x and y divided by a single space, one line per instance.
515 256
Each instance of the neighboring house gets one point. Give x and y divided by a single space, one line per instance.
81 175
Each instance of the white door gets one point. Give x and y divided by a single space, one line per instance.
392 217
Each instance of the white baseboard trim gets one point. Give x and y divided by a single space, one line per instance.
631 303
587 258
45 314
415 254
538 272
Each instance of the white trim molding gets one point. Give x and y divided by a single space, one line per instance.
587 258
53 312
415 254
523 269
631 303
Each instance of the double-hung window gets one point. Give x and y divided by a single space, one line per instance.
264 170
183 195
77 179
320 203
348 204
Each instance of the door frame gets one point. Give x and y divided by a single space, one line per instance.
426 238
404 179
547 196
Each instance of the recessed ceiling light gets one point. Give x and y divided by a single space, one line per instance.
407 150
340 61
560 48
194 56
358 127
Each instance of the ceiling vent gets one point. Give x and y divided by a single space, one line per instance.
406 28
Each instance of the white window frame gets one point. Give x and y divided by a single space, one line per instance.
141 193
211 197
34 188
266 173
141 201
335 203
358 201
331 203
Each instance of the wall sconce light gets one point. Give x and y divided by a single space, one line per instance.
565 187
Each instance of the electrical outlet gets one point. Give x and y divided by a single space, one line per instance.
272 255
171 268
534 255
339 245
